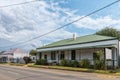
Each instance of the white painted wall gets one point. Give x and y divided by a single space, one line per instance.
108 56
37 56
20 55
66 54
87 56
77 55
108 53
83 53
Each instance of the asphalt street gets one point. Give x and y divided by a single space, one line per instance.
24 73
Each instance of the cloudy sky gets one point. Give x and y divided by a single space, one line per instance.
24 22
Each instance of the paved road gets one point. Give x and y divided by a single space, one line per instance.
24 73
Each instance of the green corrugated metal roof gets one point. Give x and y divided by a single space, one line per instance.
79 40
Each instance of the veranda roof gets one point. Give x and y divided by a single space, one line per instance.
80 40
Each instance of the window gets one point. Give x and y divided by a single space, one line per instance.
40 55
62 55
53 55
33 58
73 55
45 57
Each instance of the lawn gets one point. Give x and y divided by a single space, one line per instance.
113 72
16 64
77 69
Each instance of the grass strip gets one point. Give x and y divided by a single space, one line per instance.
72 69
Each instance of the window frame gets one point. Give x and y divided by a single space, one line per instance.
53 55
62 55
73 54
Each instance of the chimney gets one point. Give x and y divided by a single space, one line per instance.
74 36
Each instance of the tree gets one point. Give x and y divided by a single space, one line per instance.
99 63
109 32
33 52
26 59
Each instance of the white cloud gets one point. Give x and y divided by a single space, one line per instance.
21 23
97 23
24 22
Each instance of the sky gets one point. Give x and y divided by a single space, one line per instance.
23 22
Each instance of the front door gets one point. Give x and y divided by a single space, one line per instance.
45 57
73 55
62 55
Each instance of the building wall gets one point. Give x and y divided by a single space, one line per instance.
108 53
119 53
86 53
108 56
6 58
48 55
18 57
80 54
37 56
33 58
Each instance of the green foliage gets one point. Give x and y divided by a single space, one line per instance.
85 63
26 59
33 52
97 55
99 63
75 63
109 32
64 62
69 63
41 62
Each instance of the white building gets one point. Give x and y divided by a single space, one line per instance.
13 55
33 58
78 48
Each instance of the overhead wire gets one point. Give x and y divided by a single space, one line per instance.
63 25
16 4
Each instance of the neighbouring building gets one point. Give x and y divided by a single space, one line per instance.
13 55
84 47
33 58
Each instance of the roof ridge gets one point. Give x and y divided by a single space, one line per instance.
105 36
76 37
80 39
66 39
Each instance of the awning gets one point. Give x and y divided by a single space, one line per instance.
74 47
103 46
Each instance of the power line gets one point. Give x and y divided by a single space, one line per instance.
18 4
65 24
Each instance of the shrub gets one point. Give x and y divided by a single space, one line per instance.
96 64
64 62
85 63
26 59
99 63
69 63
41 62
75 63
